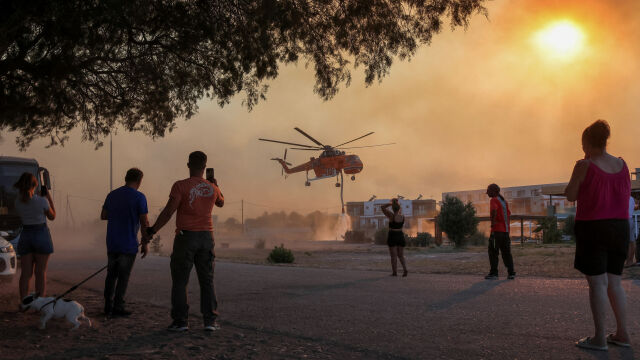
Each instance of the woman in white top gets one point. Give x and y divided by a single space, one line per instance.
35 243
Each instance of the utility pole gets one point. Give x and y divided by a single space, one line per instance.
242 214
69 214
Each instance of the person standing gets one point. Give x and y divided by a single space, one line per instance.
35 245
636 197
601 185
632 234
125 210
193 199
395 239
499 241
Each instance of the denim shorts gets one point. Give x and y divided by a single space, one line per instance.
35 239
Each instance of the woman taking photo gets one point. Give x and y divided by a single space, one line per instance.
35 244
395 240
601 184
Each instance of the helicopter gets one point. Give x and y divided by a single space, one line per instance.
332 161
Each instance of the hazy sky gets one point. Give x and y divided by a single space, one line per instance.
477 106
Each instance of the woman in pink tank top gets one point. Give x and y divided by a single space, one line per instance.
601 185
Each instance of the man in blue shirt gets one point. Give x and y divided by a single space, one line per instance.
125 209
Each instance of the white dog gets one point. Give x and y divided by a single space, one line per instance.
71 310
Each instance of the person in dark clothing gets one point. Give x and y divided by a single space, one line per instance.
395 238
125 210
499 240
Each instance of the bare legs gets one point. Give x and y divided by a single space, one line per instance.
393 251
31 263
632 252
41 261
604 288
397 252
402 261
618 301
26 272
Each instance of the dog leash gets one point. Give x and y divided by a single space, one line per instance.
72 288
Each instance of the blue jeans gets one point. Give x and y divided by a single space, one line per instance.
193 248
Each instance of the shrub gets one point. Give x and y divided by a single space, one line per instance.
355 237
422 239
380 237
260 244
477 239
457 219
568 226
280 254
549 228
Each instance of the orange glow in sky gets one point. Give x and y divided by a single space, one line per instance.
561 40
504 101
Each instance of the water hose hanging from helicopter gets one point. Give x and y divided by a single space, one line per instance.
341 191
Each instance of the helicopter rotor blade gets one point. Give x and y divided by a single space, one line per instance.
285 158
354 139
287 143
368 146
312 149
309 136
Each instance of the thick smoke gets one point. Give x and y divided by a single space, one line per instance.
477 106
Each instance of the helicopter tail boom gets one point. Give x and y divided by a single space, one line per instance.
287 170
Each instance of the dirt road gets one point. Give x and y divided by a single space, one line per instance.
294 312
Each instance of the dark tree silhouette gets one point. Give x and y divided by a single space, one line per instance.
457 219
142 64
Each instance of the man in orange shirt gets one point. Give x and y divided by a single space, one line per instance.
499 240
193 199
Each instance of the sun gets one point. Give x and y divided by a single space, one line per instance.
560 40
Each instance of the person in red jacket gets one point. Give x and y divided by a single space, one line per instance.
499 240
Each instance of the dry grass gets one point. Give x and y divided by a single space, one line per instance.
531 260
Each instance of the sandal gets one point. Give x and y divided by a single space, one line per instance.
585 343
613 341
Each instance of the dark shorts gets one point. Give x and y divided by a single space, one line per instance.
395 238
601 246
35 239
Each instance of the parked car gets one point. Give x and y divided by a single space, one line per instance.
8 260
10 170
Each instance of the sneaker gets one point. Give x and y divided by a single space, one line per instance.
120 312
178 326
491 277
212 326
511 276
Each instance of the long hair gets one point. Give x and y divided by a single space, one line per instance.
25 183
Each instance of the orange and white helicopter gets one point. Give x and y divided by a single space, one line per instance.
332 162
